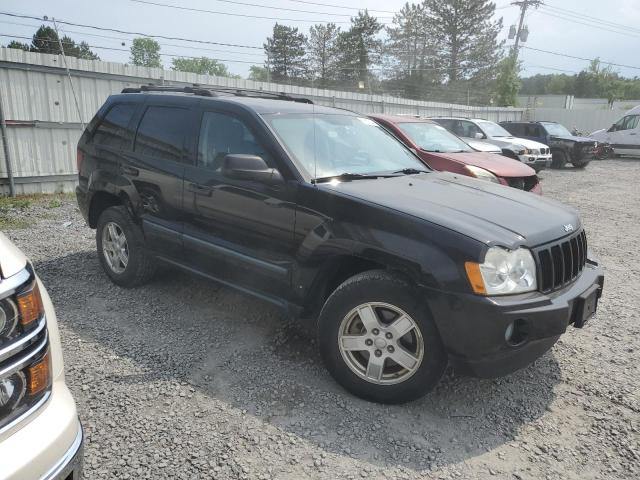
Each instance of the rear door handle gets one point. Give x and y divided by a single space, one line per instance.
134 172
199 189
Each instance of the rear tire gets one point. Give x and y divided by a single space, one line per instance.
360 340
559 159
121 248
580 163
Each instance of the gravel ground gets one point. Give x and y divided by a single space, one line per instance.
183 378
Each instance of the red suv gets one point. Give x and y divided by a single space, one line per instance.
442 150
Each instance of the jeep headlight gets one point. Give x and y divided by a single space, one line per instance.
503 272
481 173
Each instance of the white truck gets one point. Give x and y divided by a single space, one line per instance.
624 135
40 434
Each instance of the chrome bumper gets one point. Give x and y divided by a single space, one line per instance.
69 467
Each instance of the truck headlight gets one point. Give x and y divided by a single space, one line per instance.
481 173
503 272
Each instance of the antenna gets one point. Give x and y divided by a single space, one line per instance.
64 60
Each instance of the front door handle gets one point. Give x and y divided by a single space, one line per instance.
199 189
134 172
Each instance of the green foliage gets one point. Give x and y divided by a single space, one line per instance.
595 81
285 51
322 53
508 82
408 51
358 49
18 45
258 73
466 36
145 52
201 66
45 40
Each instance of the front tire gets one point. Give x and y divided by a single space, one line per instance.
121 248
378 340
559 159
580 163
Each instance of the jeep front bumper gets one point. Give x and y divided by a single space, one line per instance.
473 328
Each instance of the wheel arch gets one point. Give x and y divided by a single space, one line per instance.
102 200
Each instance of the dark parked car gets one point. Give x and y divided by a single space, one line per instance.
442 150
322 212
565 147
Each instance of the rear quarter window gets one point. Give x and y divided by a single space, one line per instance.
112 129
161 133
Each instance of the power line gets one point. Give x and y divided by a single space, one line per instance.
242 15
235 2
593 25
105 29
111 37
341 6
580 58
591 18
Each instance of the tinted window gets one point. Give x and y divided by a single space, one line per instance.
466 129
161 132
111 130
630 122
221 134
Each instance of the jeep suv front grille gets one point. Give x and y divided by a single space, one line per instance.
561 262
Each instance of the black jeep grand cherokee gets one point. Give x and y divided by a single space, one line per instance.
323 213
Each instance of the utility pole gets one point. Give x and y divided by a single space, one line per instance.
522 34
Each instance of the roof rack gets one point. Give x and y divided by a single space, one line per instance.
217 92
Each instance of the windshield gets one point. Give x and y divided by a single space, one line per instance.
433 138
331 145
493 129
557 129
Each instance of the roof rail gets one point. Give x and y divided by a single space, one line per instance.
216 92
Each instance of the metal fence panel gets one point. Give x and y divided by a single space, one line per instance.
585 121
35 89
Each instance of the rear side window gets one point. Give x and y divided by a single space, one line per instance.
111 130
161 133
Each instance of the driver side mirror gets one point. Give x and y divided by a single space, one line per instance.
250 167
613 128
478 136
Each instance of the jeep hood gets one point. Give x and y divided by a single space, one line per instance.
573 138
488 212
12 260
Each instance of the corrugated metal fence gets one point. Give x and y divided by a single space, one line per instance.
44 126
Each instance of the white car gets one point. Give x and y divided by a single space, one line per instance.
40 434
624 135
534 154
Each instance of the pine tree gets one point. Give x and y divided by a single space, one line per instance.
467 36
286 54
45 40
17 45
322 53
359 48
410 52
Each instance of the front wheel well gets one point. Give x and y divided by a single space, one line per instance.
99 203
510 154
332 276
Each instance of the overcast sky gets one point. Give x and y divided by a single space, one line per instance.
547 32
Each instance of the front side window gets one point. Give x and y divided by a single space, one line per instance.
630 122
492 129
467 129
557 130
329 145
433 138
161 133
111 130
221 134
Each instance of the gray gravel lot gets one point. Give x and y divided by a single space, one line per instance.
183 378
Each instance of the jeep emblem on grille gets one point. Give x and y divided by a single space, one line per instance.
568 227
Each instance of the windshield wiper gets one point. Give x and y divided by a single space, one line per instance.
410 171
350 176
